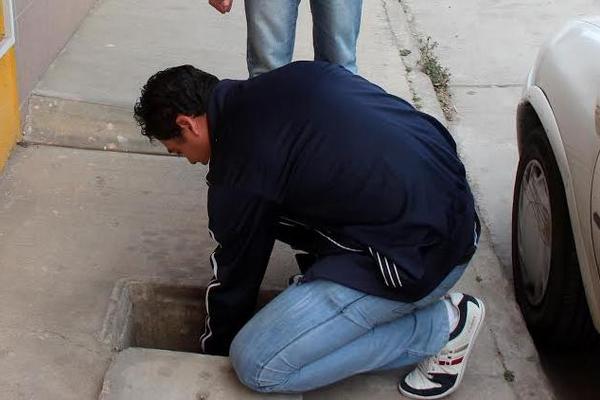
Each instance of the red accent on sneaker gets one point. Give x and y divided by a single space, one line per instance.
453 362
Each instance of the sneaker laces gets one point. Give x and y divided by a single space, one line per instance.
426 366
432 365
420 377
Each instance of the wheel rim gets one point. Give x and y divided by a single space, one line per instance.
535 232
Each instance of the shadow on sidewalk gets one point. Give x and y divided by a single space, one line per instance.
573 375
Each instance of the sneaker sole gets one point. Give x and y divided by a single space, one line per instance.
459 378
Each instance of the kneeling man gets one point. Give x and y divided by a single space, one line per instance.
368 188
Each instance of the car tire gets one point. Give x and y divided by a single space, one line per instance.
556 312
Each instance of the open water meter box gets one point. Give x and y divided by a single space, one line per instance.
158 314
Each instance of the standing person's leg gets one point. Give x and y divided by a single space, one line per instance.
271 33
336 24
318 333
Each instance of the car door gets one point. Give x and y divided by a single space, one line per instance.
595 205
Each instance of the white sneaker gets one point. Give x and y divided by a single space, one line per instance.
294 279
440 375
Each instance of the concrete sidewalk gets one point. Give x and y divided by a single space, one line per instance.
86 97
76 221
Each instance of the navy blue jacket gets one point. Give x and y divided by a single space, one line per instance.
311 154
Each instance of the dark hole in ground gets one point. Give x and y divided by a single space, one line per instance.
159 315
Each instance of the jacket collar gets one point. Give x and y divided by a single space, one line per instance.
216 110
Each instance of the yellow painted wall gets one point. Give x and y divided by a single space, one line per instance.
1 21
9 105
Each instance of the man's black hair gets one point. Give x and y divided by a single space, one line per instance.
178 90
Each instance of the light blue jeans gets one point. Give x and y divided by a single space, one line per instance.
272 31
317 333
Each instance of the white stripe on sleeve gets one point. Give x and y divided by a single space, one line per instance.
207 330
387 265
380 266
397 275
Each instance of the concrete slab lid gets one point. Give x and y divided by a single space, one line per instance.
149 374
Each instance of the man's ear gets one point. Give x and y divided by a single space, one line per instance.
186 123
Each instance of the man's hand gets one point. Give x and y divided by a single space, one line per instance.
223 6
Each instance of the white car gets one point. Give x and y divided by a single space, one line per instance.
556 206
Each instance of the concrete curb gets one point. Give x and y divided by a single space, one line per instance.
408 48
149 374
72 123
